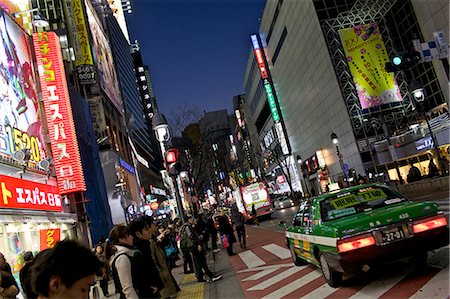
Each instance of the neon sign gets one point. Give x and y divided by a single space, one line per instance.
64 145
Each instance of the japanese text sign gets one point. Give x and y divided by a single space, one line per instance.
366 58
21 194
58 111
49 237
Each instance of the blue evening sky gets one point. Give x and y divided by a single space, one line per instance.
197 50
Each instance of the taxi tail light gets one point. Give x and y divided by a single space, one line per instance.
427 224
355 243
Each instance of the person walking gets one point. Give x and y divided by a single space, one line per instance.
211 229
226 231
25 277
189 242
120 254
254 215
239 222
202 231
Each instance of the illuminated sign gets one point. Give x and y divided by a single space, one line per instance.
21 194
424 143
49 237
271 100
20 118
366 58
127 166
61 129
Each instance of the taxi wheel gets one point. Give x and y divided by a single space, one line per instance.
297 261
333 278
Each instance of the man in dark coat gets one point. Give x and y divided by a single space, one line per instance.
150 283
239 222
226 230
25 277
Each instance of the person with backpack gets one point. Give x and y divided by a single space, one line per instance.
190 242
119 252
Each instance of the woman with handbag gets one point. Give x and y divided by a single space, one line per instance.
226 232
167 245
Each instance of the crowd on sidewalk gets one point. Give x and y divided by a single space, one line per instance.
137 259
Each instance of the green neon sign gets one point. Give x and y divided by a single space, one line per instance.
272 104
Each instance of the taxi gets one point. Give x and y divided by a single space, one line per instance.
355 228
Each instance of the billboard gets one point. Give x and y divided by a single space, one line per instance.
106 71
49 237
20 119
366 57
21 194
58 112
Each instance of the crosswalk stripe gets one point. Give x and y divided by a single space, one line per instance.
266 267
378 287
260 274
437 287
251 259
282 253
290 287
321 292
273 280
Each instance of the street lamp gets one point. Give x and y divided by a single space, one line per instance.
161 128
335 141
419 95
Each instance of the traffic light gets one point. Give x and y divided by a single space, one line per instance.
402 60
172 164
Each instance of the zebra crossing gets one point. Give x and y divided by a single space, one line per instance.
267 271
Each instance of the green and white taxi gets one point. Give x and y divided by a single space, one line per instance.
351 229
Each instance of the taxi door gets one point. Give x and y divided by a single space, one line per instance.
304 228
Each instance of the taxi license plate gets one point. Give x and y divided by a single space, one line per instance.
392 234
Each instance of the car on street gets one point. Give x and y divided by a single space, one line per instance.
283 202
356 228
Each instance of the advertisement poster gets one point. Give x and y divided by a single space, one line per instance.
103 53
366 57
20 120
49 237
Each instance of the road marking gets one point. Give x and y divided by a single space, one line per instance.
260 274
321 292
266 267
437 287
380 286
273 280
290 287
250 259
282 253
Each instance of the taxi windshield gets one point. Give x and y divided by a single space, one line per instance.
357 201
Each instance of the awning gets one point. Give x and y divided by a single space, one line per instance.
11 216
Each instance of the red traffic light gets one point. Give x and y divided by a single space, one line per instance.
171 156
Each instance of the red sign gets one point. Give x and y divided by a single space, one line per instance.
280 179
49 237
58 112
260 61
20 194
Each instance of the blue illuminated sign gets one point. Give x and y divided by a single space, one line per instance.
254 41
127 166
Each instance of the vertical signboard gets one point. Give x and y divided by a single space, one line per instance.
272 99
77 30
366 58
58 111
49 237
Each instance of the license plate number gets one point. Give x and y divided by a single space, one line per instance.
392 234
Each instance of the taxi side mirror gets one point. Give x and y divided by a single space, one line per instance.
282 223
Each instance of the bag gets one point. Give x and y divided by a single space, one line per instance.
225 241
170 250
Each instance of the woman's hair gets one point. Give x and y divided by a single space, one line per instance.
117 232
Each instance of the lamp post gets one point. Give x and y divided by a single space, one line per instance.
419 95
161 128
335 141
300 164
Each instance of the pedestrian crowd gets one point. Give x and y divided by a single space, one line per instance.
137 259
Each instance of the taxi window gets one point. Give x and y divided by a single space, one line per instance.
303 216
359 200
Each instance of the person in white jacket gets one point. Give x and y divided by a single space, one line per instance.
119 252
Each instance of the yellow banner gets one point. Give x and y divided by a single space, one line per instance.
78 30
366 57
345 201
